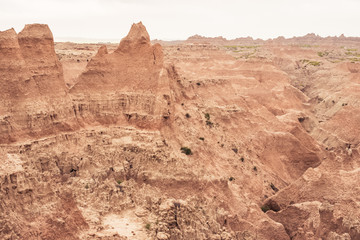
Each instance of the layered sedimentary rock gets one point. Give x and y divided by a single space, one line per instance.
14 75
322 203
37 48
193 141
130 85
306 40
34 98
34 103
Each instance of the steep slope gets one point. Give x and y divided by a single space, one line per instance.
35 102
14 80
193 141
324 202
128 86
37 48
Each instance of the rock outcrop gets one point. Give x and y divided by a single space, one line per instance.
130 85
34 98
186 141
315 204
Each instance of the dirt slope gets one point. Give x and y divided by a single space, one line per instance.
188 141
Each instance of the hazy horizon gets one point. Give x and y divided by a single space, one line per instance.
110 20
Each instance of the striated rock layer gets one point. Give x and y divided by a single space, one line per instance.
128 86
187 141
34 97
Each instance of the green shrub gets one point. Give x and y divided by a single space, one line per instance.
248 47
273 187
353 60
186 150
207 116
118 182
323 54
231 47
308 46
265 208
209 123
308 62
201 138
148 226
231 179
315 63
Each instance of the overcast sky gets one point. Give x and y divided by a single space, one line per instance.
170 20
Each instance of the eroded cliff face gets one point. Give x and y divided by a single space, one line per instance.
182 142
34 98
128 86
316 205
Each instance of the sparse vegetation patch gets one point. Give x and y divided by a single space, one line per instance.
207 116
273 187
208 122
323 54
186 150
309 62
265 208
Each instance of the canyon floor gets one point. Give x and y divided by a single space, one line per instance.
206 138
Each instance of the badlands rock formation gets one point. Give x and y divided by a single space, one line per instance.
129 85
34 99
190 140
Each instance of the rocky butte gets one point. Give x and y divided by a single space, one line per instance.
206 138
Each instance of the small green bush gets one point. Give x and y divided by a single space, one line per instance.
201 138
242 159
315 63
209 123
265 208
118 182
231 179
207 116
231 47
186 150
306 46
323 54
148 226
308 62
353 60
273 187
187 115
